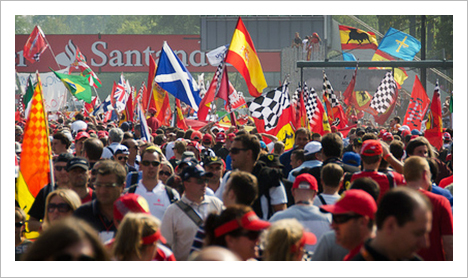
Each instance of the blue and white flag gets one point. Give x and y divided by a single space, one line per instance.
399 44
145 135
216 56
104 107
174 77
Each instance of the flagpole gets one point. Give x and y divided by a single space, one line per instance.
53 54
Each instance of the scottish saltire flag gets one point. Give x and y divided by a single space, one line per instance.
400 45
174 77
145 135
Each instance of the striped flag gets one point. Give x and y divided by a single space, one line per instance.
244 58
35 161
145 135
86 71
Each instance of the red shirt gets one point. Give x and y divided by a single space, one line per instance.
442 224
154 123
446 181
381 179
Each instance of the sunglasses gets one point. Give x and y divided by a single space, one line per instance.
61 207
19 224
60 168
69 257
343 218
165 173
106 185
122 158
236 150
153 163
251 235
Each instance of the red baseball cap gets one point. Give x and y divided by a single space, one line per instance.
102 133
196 136
354 200
371 148
221 137
387 136
307 238
207 138
248 221
82 134
130 202
305 181
231 136
405 132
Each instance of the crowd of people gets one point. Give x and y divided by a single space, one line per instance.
217 194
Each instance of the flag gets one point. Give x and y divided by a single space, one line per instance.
119 94
384 99
400 73
162 105
173 76
35 45
179 117
434 125
244 58
205 104
318 118
77 85
353 38
399 44
216 56
128 111
28 97
348 93
86 71
36 154
334 108
348 57
89 107
262 108
104 107
417 107
145 136
148 95
269 106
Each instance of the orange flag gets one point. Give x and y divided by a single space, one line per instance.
162 105
36 156
180 117
242 55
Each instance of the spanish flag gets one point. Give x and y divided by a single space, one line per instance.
353 38
242 55
400 73
36 155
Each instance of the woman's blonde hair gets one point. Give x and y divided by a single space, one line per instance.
133 228
168 164
280 239
69 196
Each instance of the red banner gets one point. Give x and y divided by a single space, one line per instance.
125 53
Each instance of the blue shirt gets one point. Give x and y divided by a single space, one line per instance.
309 164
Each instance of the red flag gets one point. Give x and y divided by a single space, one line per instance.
222 91
242 55
205 104
303 121
129 109
179 116
348 93
320 123
382 118
148 98
112 98
434 125
89 107
417 107
35 45
284 130
164 112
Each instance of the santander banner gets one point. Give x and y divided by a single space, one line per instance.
124 53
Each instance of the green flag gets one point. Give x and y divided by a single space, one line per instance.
28 96
451 104
77 85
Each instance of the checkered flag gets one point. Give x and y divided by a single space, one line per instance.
310 100
385 93
270 106
328 91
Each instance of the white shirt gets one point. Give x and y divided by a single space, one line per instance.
157 199
106 153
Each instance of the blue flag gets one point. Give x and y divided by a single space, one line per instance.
145 136
400 45
174 77
349 57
